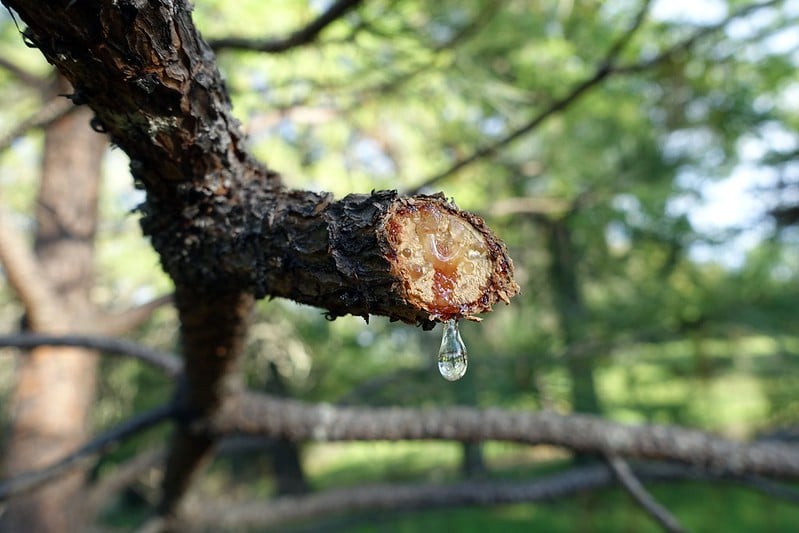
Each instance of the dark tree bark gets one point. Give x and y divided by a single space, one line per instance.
224 227
55 385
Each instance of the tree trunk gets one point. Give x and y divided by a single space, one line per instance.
55 386
571 314
285 456
225 227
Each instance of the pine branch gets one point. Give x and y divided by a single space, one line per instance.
24 275
298 421
605 68
630 482
168 363
52 110
127 320
301 37
601 72
87 453
224 226
323 506
28 78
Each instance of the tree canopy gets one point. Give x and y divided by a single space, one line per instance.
636 158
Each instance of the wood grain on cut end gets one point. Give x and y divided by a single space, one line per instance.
448 262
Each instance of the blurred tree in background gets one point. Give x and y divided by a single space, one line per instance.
640 160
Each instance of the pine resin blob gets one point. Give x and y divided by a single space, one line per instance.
452 360
442 258
450 265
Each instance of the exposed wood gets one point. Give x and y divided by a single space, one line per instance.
219 220
225 228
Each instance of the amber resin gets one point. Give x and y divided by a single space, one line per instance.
445 260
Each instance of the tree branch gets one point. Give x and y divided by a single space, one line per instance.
168 363
601 72
224 226
266 415
24 274
393 497
605 68
81 457
219 220
630 482
28 78
688 43
123 476
53 109
125 321
303 36
412 497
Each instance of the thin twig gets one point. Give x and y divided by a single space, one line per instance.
303 36
630 482
28 78
394 497
51 110
24 273
123 476
80 458
605 69
168 363
770 488
689 42
410 497
125 321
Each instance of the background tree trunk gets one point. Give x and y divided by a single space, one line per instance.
571 314
55 387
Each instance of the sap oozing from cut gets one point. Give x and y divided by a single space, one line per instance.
442 258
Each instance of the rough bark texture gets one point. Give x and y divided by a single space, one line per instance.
264 415
224 227
219 220
213 329
55 385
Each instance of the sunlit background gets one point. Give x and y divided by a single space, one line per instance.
659 281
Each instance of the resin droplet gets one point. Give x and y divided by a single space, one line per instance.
452 361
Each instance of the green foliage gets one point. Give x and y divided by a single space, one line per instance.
675 320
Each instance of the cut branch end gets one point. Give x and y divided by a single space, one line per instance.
447 261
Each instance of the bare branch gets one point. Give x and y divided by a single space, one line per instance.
690 42
221 515
26 77
770 488
630 482
547 207
120 323
168 363
411 497
53 109
266 415
605 68
123 476
602 71
81 457
301 37
24 274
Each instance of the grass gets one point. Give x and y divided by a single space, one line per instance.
699 507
